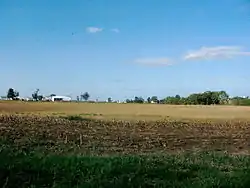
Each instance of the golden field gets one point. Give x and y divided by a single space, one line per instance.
127 111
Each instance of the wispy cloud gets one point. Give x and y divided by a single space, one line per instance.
94 29
217 52
154 61
115 30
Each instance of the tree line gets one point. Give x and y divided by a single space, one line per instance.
204 98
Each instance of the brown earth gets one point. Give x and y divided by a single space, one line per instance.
54 134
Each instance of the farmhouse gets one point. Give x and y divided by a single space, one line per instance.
60 98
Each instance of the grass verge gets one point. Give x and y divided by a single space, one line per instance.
184 170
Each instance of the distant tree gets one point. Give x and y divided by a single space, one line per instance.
12 94
37 97
77 98
172 100
136 99
178 97
139 100
16 94
128 101
223 97
109 99
154 98
40 97
205 98
85 96
193 99
149 100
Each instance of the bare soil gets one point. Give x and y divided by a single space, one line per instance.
102 137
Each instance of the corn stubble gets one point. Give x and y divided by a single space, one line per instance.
102 137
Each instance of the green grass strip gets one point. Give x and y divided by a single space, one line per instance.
18 169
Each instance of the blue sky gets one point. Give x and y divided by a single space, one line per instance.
125 48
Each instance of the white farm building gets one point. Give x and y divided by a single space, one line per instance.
60 98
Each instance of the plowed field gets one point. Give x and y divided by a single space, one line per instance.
103 137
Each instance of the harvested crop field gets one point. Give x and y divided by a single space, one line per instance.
158 146
102 137
127 111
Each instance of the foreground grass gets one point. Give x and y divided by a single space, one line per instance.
184 170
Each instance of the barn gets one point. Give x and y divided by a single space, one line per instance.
60 98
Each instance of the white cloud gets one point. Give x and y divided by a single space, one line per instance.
93 29
115 30
155 61
218 52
